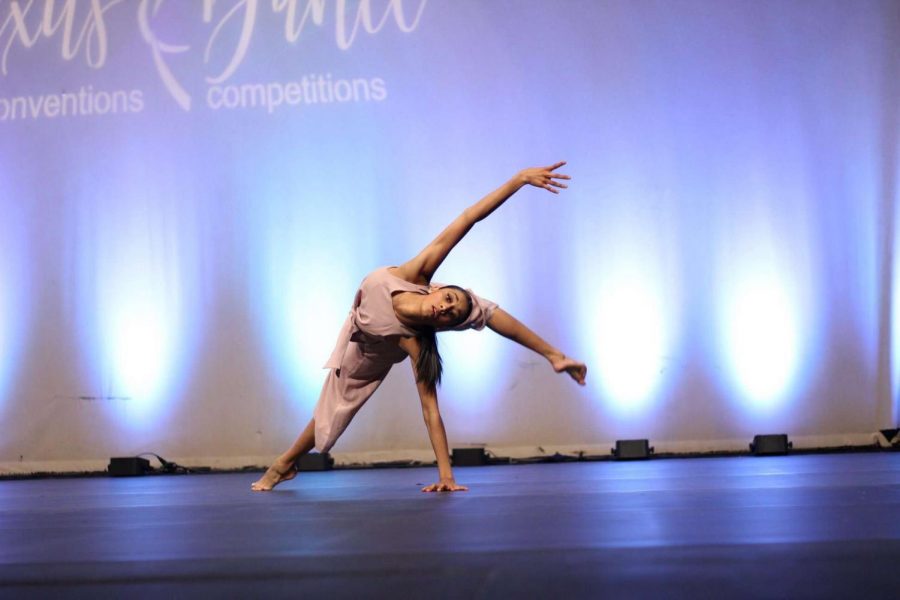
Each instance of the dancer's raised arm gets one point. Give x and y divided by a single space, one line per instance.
421 268
509 327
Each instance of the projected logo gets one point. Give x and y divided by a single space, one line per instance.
175 35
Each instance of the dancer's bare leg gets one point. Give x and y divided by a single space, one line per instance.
284 467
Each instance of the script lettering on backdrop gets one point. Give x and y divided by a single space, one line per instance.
80 29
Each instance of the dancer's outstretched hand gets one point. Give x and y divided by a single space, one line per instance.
576 370
445 485
544 177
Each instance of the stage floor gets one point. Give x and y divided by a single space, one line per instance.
779 527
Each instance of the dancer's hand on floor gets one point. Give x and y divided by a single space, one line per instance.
576 370
445 485
544 177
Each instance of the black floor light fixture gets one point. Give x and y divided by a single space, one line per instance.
632 450
315 461
128 466
468 457
770 445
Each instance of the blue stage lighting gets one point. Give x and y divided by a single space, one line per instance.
762 339
628 307
767 313
304 266
138 294
630 338
475 369
303 302
477 364
14 289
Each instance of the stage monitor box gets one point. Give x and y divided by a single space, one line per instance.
770 445
128 467
315 462
892 436
632 450
469 457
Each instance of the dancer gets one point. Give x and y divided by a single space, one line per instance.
395 314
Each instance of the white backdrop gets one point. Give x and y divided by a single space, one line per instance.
191 191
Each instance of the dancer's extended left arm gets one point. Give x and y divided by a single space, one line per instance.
509 327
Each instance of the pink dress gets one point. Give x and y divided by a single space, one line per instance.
367 348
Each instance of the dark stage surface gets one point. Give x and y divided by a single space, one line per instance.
782 527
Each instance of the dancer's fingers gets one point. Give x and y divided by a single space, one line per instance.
556 165
579 378
577 372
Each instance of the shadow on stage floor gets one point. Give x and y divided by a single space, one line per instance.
798 526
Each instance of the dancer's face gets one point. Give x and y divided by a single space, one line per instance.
446 307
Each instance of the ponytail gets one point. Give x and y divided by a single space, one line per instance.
428 366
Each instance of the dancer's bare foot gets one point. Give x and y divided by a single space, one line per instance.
279 471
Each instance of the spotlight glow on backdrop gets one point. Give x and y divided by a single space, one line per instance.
303 305
476 364
767 306
630 338
138 291
628 304
762 337
305 265
14 287
895 304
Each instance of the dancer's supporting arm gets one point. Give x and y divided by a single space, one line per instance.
421 268
434 423
509 327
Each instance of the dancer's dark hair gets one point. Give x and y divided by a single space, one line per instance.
429 366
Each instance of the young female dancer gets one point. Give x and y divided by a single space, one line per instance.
395 314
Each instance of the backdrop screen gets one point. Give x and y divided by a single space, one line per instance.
190 193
